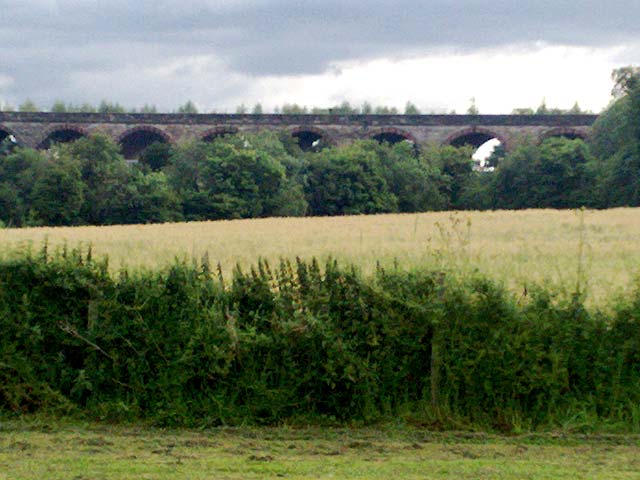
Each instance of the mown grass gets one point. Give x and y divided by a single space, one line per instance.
516 247
48 449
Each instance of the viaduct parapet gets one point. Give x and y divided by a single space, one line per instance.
135 131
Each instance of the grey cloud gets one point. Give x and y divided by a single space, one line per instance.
45 41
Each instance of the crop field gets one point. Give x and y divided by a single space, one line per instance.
36 450
601 249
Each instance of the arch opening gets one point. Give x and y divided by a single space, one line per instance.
221 133
65 135
133 144
567 135
488 149
391 138
309 141
7 142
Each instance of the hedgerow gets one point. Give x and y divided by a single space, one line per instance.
304 342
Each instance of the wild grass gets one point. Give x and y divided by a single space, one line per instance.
599 250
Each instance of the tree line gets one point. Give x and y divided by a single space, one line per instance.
267 174
344 108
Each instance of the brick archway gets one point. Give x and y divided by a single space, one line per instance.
61 133
146 128
566 132
134 140
307 135
391 132
479 135
216 132
8 133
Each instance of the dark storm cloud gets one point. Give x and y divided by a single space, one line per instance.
46 41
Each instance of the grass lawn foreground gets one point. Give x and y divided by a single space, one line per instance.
50 450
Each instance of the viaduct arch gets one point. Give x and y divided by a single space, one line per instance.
136 131
64 133
474 136
392 135
6 132
566 132
217 132
311 138
134 140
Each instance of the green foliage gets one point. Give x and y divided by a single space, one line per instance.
415 183
556 174
188 107
156 156
18 173
108 107
473 108
268 174
348 180
181 347
456 167
411 109
59 107
146 108
616 140
151 200
229 178
612 130
58 193
28 106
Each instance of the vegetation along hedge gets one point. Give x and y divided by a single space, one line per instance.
308 343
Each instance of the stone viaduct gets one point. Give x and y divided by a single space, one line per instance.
134 132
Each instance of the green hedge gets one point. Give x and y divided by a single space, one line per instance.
309 343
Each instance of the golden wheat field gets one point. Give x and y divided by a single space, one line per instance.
520 248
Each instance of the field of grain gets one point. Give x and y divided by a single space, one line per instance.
601 248
38 450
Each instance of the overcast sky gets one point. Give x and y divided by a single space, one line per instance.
221 53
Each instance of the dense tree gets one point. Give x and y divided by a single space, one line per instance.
59 107
39 189
152 200
108 107
228 178
148 109
411 109
616 141
241 176
456 167
114 192
188 107
384 110
558 173
415 183
17 177
57 195
473 108
294 109
156 156
348 180
28 106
